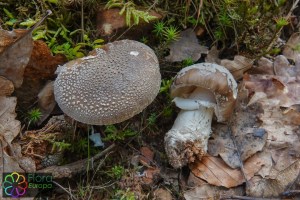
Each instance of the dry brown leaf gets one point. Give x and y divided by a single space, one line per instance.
220 143
238 65
266 156
26 163
16 47
282 127
279 67
290 47
186 47
110 24
9 37
292 115
282 67
249 137
283 136
9 127
46 101
150 175
213 56
41 68
255 164
15 58
264 66
216 172
277 90
162 194
280 133
211 192
147 156
42 65
194 181
281 160
6 86
273 187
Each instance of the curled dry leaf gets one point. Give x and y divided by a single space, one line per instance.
6 86
272 187
221 144
41 68
245 128
264 66
278 90
9 37
26 163
282 67
186 47
282 143
213 56
15 51
15 56
238 65
10 127
291 48
279 67
282 128
46 101
216 172
10 157
292 115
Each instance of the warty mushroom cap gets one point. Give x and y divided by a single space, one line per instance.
211 78
110 85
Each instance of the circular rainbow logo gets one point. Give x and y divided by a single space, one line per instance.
15 185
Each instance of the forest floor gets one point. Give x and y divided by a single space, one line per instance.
254 155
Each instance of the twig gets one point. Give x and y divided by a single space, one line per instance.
76 167
276 35
64 189
290 193
82 22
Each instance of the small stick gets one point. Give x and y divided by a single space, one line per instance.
64 189
70 169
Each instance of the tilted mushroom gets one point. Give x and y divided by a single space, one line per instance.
110 85
199 90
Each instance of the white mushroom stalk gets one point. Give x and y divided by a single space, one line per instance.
198 100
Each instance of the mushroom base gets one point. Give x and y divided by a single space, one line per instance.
187 140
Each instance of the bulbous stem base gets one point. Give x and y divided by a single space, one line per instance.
187 140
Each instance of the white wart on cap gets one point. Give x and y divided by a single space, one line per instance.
110 85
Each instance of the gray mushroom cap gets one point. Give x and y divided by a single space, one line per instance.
213 78
110 85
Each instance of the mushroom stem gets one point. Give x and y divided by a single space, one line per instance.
198 90
187 140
